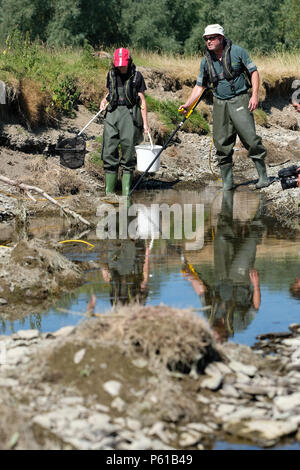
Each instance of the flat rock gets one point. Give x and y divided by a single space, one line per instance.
288 402
212 383
79 356
65 331
27 334
243 368
112 387
263 432
8 382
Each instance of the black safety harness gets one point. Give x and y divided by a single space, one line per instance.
130 91
228 73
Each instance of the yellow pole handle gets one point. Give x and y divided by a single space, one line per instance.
192 107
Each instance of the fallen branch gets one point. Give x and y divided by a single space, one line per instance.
27 188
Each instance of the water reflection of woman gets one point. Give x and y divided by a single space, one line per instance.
233 294
127 271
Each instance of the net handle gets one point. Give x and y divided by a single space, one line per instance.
93 119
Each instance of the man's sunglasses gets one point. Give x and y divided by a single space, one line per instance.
211 38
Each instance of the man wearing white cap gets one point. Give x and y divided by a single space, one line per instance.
229 69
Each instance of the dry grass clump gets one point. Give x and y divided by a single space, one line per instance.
35 104
53 178
176 339
92 90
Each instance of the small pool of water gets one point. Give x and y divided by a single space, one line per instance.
239 271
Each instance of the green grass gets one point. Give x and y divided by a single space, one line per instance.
169 115
66 74
260 117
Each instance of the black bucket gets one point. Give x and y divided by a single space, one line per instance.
72 152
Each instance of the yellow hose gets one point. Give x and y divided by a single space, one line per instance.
78 241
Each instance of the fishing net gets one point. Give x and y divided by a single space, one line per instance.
72 152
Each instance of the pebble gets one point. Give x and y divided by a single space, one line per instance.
189 439
266 431
27 334
8 382
243 368
79 356
288 402
212 383
112 387
64 331
118 404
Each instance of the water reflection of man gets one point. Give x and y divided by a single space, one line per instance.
234 292
126 270
295 288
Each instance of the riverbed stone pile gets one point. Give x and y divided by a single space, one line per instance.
64 391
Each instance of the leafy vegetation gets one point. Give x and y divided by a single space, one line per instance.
168 112
162 25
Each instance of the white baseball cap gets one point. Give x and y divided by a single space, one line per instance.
213 29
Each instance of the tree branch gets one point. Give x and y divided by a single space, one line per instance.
27 188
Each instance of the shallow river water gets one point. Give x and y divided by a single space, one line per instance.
215 253
222 258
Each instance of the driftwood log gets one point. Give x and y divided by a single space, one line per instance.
28 189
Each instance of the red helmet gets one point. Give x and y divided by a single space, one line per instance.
121 57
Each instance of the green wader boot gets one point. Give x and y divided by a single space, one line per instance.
264 180
126 183
227 176
110 183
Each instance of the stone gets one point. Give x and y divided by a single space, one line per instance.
64 331
27 334
158 429
292 342
16 355
79 356
225 409
71 401
189 439
133 424
252 389
3 301
141 443
200 427
212 369
102 408
140 363
202 399
8 382
212 383
229 391
112 387
247 412
223 368
263 432
288 402
243 368
118 404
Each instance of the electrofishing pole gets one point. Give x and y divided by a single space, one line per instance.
191 110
